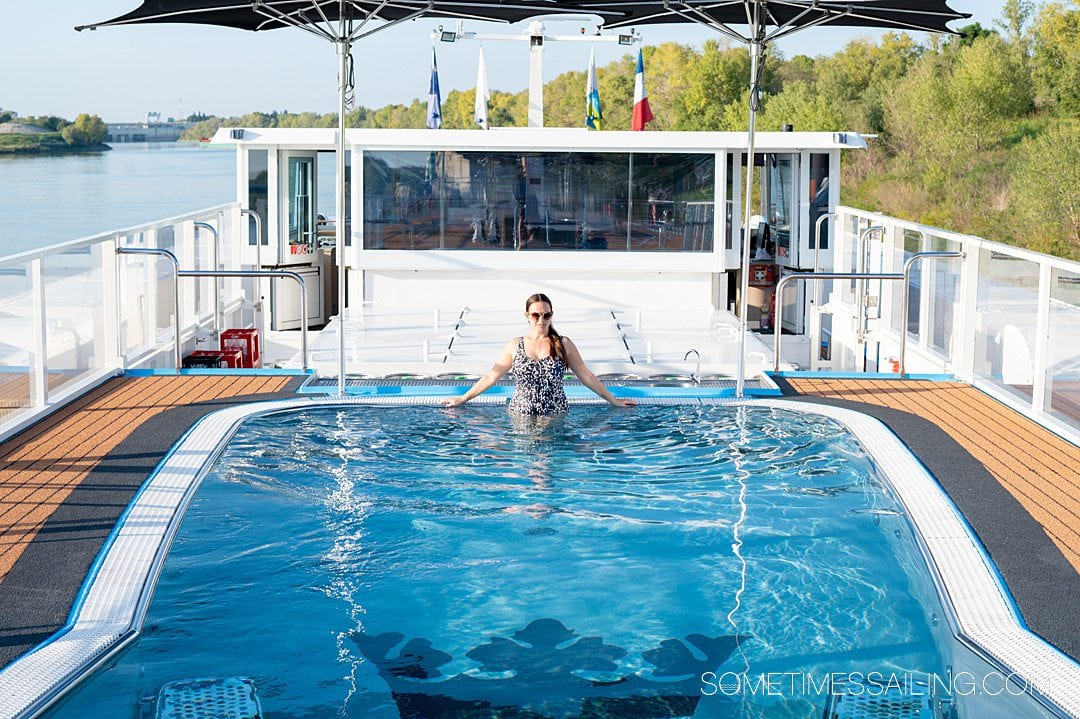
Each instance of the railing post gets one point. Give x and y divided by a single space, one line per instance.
1042 340
110 296
964 366
39 366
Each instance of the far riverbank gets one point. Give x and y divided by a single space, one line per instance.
50 143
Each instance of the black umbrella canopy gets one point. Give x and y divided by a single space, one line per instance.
272 14
782 16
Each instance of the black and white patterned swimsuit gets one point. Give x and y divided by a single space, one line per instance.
538 384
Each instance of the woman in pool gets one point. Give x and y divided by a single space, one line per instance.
539 360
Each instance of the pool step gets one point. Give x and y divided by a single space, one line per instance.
209 698
878 701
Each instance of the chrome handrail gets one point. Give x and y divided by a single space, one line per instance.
176 291
905 276
267 273
917 257
200 225
778 333
178 273
244 212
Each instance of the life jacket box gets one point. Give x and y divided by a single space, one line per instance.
214 359
762 274
247 342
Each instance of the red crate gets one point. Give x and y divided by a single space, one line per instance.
214 358
247 342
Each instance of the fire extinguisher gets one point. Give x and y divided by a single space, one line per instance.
766 316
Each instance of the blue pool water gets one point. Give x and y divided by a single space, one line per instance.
420 562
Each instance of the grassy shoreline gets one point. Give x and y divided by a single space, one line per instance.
43 144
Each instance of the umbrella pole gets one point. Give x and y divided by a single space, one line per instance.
756 52
339 224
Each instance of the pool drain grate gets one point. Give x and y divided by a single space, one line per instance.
211 698
882 702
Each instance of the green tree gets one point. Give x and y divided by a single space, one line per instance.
564 100
508 109
802 106
1044 196
719 77
49 122
86 130
203 128
989 84
1016 23
1056 60
968 35
857 79
7 115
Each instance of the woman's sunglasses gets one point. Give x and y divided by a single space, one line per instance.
537 316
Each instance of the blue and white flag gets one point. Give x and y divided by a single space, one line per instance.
594 116
434 98
483 94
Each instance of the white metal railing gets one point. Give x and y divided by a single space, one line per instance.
75 313
1004 318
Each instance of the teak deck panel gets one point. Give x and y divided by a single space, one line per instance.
1038 468
42 466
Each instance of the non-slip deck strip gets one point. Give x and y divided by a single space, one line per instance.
1038 468
114 606
40 467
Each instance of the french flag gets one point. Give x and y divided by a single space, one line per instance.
642 113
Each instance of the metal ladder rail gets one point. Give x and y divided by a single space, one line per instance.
178 273
905 276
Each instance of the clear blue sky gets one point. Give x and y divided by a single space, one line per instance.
122 73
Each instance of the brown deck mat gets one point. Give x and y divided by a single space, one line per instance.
65 481
1017 483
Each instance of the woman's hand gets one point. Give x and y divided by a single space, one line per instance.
453 401
621 402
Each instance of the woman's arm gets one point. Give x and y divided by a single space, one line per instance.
496 373
582 372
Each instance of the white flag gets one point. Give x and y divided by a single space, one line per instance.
480 112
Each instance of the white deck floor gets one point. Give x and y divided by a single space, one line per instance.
468 340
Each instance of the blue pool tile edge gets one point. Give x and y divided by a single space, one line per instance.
115 596
210 371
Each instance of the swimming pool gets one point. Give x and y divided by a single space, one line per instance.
668 561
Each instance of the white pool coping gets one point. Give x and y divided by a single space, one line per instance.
112 605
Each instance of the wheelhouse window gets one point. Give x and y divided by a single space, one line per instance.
423 200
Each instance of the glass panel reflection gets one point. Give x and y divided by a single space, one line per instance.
944 277
415 200
1063 372
74 305
1006 317
16 339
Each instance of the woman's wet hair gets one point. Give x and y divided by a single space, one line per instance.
555 337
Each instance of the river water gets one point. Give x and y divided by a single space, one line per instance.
45 200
